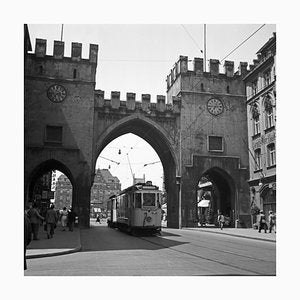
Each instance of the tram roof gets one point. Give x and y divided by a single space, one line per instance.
140 186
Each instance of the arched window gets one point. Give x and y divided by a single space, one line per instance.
271 155
269 112
255 117
257 156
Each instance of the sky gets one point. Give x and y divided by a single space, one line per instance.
137 58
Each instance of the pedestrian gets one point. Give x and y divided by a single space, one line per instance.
64 218
35 220
27 235
272 221
51 220
98 219
71 219
262 222
221 220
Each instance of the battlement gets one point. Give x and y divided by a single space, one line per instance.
59 48
181 68
130 104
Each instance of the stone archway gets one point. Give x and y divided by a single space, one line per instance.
157 137
222 194
39 170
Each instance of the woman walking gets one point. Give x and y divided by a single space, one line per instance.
64 218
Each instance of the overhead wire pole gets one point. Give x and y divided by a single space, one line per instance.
61 32
130 168
204 42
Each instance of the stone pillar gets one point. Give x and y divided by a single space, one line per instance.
130 101
59 48
214 66
76 51
146 102
115 100
198 65
93 53
40 47
81 199
229 68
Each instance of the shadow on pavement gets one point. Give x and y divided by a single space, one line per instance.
101 238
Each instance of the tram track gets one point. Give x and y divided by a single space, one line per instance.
212 259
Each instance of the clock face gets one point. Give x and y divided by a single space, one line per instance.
56 93
215 106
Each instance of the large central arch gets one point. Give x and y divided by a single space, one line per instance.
156 136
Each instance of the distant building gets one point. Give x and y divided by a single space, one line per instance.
104 186
63 192
261 110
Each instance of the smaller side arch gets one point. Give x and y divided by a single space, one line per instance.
41 169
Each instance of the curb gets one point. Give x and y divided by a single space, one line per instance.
236 235
78 249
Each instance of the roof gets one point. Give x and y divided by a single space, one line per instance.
268 43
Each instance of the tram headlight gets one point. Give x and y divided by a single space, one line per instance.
148 219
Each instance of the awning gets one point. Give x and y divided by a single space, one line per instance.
204 203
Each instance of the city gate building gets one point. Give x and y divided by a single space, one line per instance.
198 130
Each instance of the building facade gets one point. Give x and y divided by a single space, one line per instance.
104 186
261 110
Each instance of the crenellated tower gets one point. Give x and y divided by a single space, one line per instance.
213 136
59 118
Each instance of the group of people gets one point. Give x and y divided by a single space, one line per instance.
262 222
33 220
67 219
50 220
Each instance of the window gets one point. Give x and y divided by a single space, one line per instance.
271 155
255 117
256 126
149 199
267 77
269 112
228 89
269 118
215 143
257 156
254 87
138 200
74 73
54 134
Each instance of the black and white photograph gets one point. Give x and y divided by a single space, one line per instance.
148 151
184 178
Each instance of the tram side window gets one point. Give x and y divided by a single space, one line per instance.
125 201
158 200
149 199
138 200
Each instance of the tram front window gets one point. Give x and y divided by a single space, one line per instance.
138 200
149 199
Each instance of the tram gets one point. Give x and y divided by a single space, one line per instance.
136 209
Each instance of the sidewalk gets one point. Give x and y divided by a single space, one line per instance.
63 242
248 233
